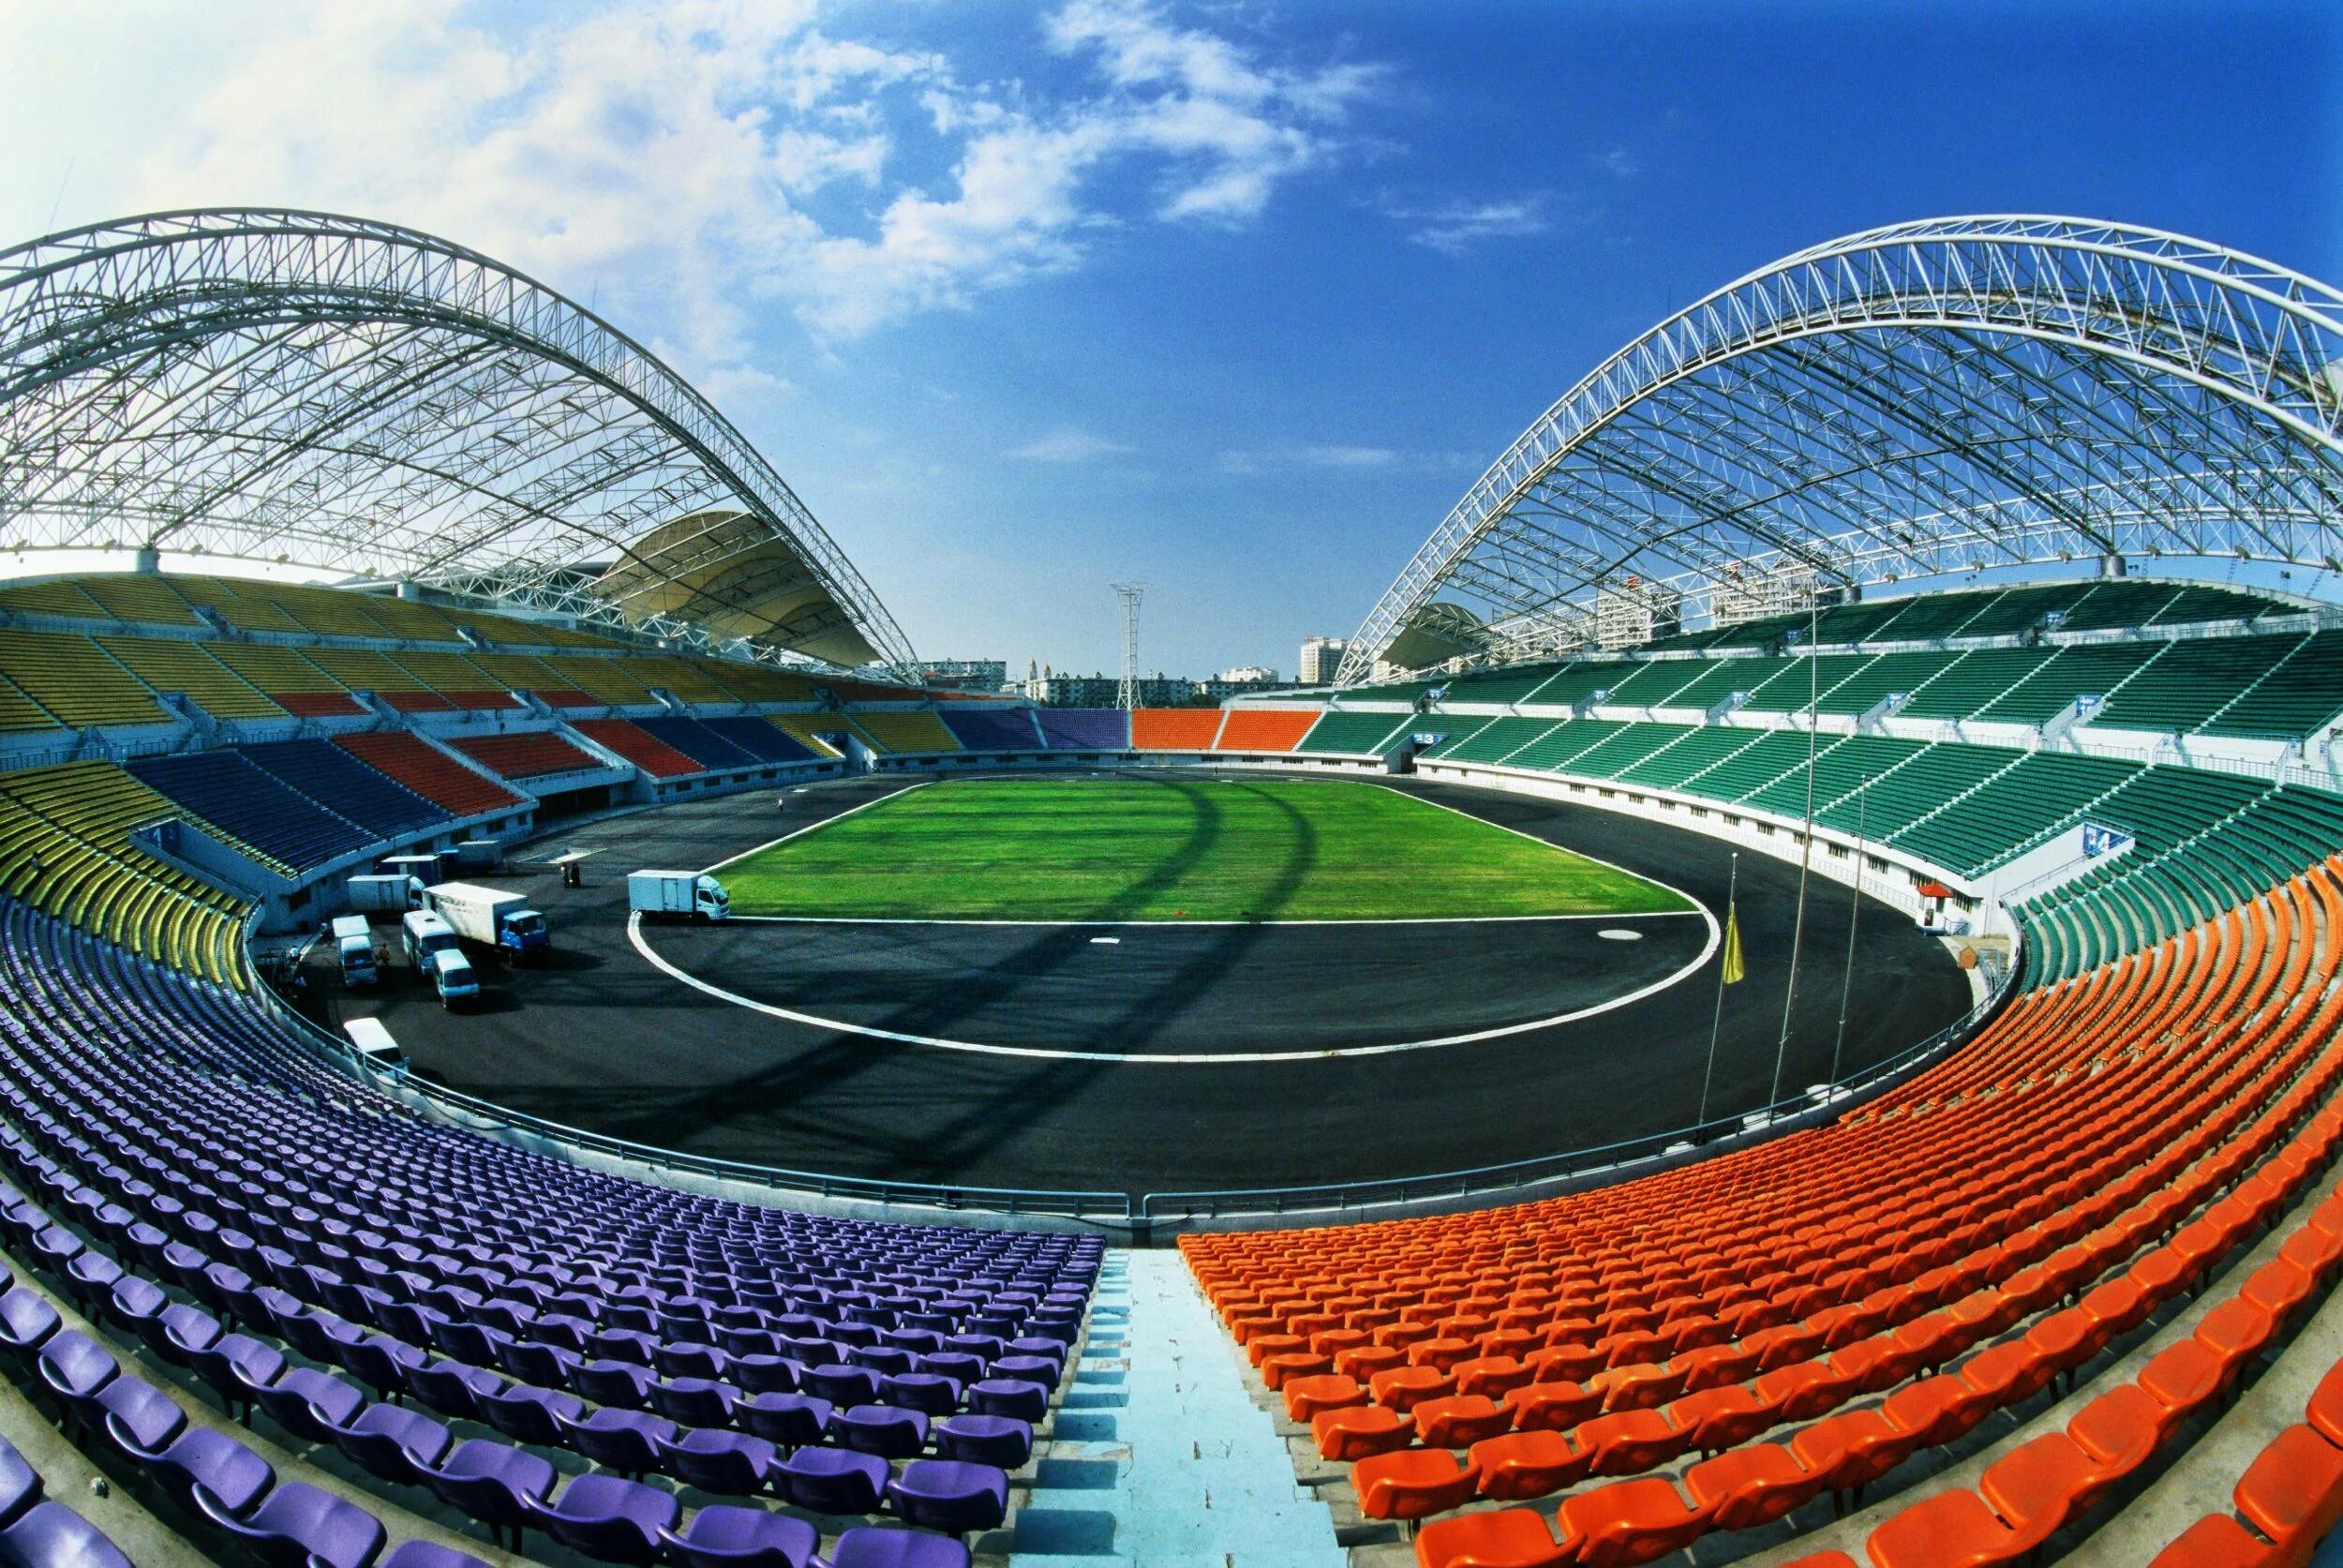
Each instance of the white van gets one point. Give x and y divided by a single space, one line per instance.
425 937
458 981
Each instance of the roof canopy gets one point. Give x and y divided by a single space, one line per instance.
1940 396
360 397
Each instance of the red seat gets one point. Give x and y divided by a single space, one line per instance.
2048 1475
1939 1408
1854 1448
2121 1427
2182 1376
1954 1530
2325 1413
1305 1396
1365 1361
2215 1540
1631 1440
1503 1538
1720 1418
1527 1464
2279 1286
1356 1431
2293 1492
1630 1521
1460 1421
2235 1332
1802 1390
1412 1484
1278 1369
1551 1406
1744 1488
1493 1375
1403 1388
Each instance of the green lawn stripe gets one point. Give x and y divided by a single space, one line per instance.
1175 848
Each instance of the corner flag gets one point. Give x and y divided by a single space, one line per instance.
1734 972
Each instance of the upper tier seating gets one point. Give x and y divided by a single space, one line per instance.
367 669
607 680
19 711
344 784
1343 734
697 741
2298 698
531 754
473 1284
687 679
227 790
992 729
639 746
1084 729
457 678
823 734
2190 681
1264 729
1175 729
76 681
172 665
65 847
431 773
909 734
290 680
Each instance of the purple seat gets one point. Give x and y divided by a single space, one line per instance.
689 1358
962 1366
26 1320
1019 1398
494 1483
133 1303
51 1535
726 1536
310 1404
839 1384
545 1365
624 1441
299 1526
382 1364
1032 1368
985 1440
874 1546
727 1462
178 1329
695 1401
425 1554
831 1481
236 1366
74 1367
20 1483
139 1418
452 1388
885 1360
786 1420
949 1496
202 1457
615 1383
929 1393
394 1443
605 1518
881 1429
758 1372
530 1414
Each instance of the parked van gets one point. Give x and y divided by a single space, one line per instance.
425 937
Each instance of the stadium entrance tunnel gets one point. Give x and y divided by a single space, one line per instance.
603 1041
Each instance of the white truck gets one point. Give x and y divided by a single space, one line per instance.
395 891
431 947
353 945
491 916
685 894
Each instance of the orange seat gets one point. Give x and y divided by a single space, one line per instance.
1630 1521
1460 1419
2294 1491
1403 1388
1744 1488
1442 1352
1305 1396
1501 1538
2121 1427
1564 1363
1719 1418
1261 1346
1356 1431
1637 1388
1854 1448
1802 1390
1277 1370
1365 1361
1631 1440
1551 1406
1412 1484
1939 1408
1823 1559
2326 1411
1713 1365
1527 1464
2117 1305
2050 1474
2215 1540
2182 1376
1492 1375
2235 1332
1954 1530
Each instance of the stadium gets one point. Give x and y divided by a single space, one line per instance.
1781 1007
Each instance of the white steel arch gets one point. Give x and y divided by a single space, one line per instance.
1930 396
362 397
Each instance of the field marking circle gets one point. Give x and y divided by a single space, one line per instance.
1619 934
1175 1059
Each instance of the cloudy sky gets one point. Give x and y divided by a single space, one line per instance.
1232 298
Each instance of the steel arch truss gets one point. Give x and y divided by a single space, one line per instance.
365 399
1932 397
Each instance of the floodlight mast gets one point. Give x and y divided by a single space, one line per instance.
1128 697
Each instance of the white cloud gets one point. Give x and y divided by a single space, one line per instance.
1620 163
1068 444
1454 227
1323 455
680 161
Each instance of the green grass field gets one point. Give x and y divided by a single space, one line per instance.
1173 850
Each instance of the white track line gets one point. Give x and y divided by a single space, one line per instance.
1169 1059
810 827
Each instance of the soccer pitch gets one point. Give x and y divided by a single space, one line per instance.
1173 850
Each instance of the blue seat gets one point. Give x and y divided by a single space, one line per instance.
785 1420
949 1496
26 1320
874 1546
310 1404
881 1429
986 1440
200 1456
300 1526
530 1414
624 1441
726 1535
608 1518
139 1418
832 1481
394 1443
493 1482
51 1535
732 1463
427 1554
20 1483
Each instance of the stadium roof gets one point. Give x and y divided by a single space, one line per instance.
367 400
1941 396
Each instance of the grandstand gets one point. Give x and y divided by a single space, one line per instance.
2056 1281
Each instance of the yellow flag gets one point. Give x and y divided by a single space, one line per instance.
1733 970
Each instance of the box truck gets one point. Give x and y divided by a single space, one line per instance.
426 868
353 945
684 894
489 916
391 891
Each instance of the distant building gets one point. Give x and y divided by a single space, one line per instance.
1320 658
1249 675
1635 612
1236 683
967 675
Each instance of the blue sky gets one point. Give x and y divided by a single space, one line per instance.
1235 299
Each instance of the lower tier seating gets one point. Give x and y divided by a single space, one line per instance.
1175 729
640 747
431 773
228 791
343 784
1264 729
530 754
905 734
992 729
1084 729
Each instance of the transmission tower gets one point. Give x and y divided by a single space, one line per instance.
1129 593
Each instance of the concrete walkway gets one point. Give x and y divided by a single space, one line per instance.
1160 1459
